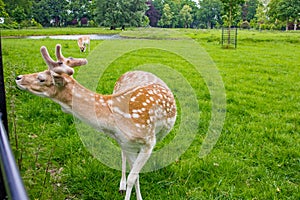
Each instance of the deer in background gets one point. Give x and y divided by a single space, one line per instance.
83 42
140 112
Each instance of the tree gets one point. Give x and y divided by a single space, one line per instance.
231 10
50 12
260 15
18 14
3 12
186 16
175 6
167 16
136 10
210 12
41 12
153 14
115 13
79 10
249 9
109 13
25 5
285 10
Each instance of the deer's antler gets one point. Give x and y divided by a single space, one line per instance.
58 67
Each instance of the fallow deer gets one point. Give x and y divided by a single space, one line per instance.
140 112
83 42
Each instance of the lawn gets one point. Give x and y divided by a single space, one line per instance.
257 155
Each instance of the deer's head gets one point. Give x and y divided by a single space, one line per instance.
49 82
82 48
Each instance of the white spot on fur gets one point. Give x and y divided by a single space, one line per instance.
117 110
133 99
135 116
150 92
78 95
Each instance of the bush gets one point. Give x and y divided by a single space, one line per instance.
245 25
9 23
92 23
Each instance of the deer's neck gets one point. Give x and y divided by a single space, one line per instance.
86 105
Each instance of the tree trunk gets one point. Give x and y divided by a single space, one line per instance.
229 26
208 24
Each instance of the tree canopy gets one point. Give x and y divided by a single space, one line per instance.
285 10
162 13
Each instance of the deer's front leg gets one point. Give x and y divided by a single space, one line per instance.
122 188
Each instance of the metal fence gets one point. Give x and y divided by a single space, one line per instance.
229 38
11 176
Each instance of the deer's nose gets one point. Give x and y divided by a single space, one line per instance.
19 77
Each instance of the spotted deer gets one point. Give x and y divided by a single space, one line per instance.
83 42
140 112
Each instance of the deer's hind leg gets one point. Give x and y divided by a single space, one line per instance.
122 188
137 165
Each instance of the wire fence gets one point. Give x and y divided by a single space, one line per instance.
229 38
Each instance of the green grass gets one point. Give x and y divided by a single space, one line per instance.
56 31
256 157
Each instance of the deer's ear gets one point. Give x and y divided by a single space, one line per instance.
66 70
59 80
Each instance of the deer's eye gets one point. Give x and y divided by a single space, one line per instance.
41 78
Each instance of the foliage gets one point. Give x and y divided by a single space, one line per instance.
256 157
260 15
153 14
249 10
19 14
186 16
231 8
3 12
167 16
163 13
24 5
117 13
245 25
210 12
285 10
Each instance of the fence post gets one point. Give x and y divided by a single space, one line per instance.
3 194
2 91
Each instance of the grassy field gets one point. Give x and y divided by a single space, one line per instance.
56 31
256 157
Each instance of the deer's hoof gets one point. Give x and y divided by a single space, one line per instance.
122 192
